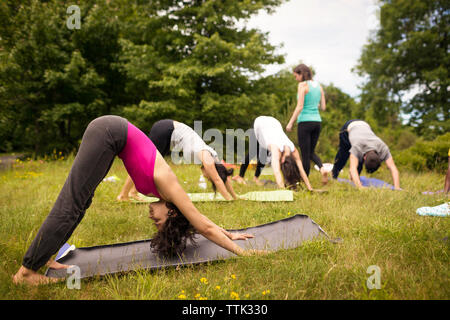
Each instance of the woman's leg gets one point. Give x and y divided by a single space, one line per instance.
304 142
250 155
103 139
244 165
343 152
128 191
315 133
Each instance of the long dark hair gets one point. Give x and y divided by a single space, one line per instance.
291 173
304 70
223 172
172 238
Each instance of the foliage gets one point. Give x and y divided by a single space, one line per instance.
143 60
406 65
426 155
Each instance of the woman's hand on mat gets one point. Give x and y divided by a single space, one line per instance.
240 236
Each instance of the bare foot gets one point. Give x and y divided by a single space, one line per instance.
239 179
56 265
258 182
122 198
28 276
135 196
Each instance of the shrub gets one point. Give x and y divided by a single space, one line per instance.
426 155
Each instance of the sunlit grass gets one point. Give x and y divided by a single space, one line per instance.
378 227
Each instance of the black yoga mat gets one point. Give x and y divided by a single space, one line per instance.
122 257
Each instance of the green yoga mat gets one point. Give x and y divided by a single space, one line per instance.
270 196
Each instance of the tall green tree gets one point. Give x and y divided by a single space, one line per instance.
146 60
54 79
196 60
406 64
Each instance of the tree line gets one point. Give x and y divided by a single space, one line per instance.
197 60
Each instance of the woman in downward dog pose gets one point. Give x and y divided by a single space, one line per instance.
105 138
283 155
173 136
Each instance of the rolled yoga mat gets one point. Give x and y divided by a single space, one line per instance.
137 255
271 196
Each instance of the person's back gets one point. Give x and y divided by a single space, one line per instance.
363 140
185 139
268 131
311 103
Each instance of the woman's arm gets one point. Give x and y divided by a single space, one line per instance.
353 169
276 154
211 171
127 186
170 190
298 109
298 161
230 189
323 104
394 172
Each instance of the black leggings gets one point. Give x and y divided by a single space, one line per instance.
260 165
261 156
308 134
104 138
161 134
344 151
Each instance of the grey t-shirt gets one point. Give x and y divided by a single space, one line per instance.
185 139
364 140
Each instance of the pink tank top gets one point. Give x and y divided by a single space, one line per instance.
138 156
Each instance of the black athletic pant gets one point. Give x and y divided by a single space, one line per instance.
308 133
344 151
261 156
104 138
260 165
161 134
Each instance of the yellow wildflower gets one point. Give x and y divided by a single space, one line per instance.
234 295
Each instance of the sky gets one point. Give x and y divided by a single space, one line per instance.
325 34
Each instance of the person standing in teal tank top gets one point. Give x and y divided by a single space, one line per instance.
310 97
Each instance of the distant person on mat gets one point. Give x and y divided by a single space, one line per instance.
169 135
358 142
283 155
310 97
175 216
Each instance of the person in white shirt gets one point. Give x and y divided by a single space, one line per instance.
284 157
170 136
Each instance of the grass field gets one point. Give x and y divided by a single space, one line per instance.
378 227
